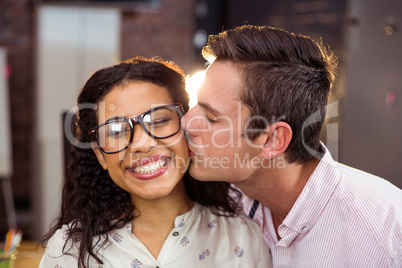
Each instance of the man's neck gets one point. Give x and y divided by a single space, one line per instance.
278 188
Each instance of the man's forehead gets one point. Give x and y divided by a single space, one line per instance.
218 102
219 90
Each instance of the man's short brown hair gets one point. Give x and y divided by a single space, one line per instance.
286 77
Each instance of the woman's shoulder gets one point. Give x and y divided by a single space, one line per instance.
60 243
237 238
60 250
234 223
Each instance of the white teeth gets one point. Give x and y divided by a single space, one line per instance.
151 167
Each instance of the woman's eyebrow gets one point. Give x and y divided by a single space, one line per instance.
115 118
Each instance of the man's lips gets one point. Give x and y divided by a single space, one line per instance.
191 153
194 154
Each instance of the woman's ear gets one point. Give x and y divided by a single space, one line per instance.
277 140
99 154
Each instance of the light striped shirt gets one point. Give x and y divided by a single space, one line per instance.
344 217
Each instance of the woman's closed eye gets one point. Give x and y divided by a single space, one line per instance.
160 122
117 134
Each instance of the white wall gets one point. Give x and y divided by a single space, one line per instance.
6 167
73 42
5 127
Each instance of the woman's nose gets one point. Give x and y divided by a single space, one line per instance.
142 142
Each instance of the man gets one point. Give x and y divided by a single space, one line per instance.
257 125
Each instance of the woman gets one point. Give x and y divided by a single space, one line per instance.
129 202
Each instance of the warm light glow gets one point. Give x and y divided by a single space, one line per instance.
192 85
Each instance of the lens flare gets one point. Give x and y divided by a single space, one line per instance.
192 85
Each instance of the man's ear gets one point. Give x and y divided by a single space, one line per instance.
99 154
277 140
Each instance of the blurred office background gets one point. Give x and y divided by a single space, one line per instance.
48 48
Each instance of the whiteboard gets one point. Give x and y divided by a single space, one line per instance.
5 127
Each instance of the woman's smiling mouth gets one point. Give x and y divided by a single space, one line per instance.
150 167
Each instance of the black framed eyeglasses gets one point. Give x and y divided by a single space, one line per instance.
116 134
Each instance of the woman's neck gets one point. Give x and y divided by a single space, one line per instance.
154 219
152 211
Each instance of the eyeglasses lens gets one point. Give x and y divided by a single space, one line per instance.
160 123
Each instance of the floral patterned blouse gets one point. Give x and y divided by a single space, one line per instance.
198 239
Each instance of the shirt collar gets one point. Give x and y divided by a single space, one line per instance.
313 198
181 220
187 218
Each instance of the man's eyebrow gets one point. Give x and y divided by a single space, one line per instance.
209 108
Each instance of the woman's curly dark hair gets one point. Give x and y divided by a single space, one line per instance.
92 204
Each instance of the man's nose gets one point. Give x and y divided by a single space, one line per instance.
188 122
186 117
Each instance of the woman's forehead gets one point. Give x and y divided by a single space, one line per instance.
132 99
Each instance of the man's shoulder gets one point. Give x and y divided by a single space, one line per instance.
373 203
360 187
